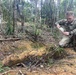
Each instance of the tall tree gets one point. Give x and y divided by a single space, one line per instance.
58 9
14 16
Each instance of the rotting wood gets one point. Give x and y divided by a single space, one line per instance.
15 59
42 53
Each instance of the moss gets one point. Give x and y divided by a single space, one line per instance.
37 45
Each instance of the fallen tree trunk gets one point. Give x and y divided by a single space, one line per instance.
42 54
15 59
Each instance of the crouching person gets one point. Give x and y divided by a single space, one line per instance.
67 27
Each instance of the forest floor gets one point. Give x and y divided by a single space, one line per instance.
64 66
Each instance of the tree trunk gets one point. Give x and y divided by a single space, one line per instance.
15 59
22 23
58 9
0 17
14 17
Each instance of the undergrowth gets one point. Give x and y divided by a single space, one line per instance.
3 69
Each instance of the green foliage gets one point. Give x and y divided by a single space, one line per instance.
56 52
27 11
59 52
48 12
36 32
7 9
37 45
55 34
9 28
50 62
3 69
8 16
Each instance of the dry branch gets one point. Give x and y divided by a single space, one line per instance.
10 39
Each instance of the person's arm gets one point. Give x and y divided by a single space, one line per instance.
74 30
59 24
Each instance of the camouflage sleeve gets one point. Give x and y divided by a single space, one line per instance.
73 32
61 22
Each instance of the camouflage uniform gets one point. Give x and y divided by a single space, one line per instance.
68 27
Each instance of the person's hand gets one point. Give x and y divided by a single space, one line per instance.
58 26
65 33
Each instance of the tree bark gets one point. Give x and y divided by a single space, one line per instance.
14 17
